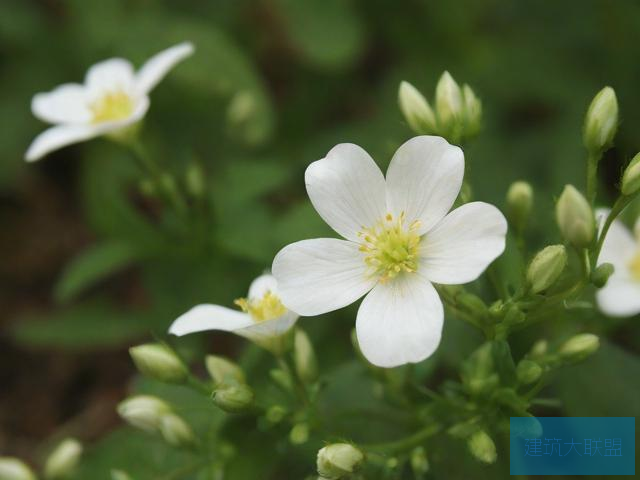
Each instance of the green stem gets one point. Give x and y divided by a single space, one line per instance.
199 386
618 207
406 443
301 390
592 176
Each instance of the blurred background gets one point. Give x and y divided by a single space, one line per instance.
89 264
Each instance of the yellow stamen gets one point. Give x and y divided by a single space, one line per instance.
112 106
266 308
390 248
634 266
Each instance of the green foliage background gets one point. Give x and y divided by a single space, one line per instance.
315 73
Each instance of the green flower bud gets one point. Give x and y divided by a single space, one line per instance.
539 348
601 274
236 398
338 460
223 370
120 475
519 203
478 371
159 362
416 109
194 180
631 177
528 372
299 434
419 461
575 218
14 469
275 414
546 267
601 121
482 447
579 347
449 102
176 431
241 108
282 379
63 460
472 111
143 411
304 357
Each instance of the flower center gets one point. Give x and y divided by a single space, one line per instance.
634 266
266 308
112 106
390 248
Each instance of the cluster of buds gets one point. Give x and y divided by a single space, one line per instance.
61 463
154 415
458 112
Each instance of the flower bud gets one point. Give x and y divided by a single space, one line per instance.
601 274
143 411
159 362
416 109
601 120
275 414
223 370
472 111
579 347
482 447
194 180
63 460
241 108
575 217
176 431
528 372
119 475
546 267
304 357
338 460
419 461
478 371
449 103
519 203
631 177
235 398
14 469
299 434
539 348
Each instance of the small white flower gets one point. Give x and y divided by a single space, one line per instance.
263 319
620 297
399 240
112 98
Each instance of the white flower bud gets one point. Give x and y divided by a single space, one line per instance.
159 362
304 357
449 102
519 203
472 112
143 411
631 176
63 460
579 347
176 431
15 469
223 370
235 398
338 460
482 447
546 267
575 217
601 121
416 109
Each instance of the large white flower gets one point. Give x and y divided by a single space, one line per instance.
399 241
263 319
621 295
112 98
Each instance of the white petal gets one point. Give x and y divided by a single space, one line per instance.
347 189
266 330
60 136
620 297
64 104
460 247
209 317
321 275
619 248
400 321
157 67
424 179
115 74
263 284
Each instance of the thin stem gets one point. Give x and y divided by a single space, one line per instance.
592 176
199 386
618 207
406 443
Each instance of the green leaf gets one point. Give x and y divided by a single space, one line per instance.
92 265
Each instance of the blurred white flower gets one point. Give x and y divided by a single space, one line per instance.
112 98
620 297
264 319
399 240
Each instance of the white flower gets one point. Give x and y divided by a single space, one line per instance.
263 319
620 297
399 239
112 98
